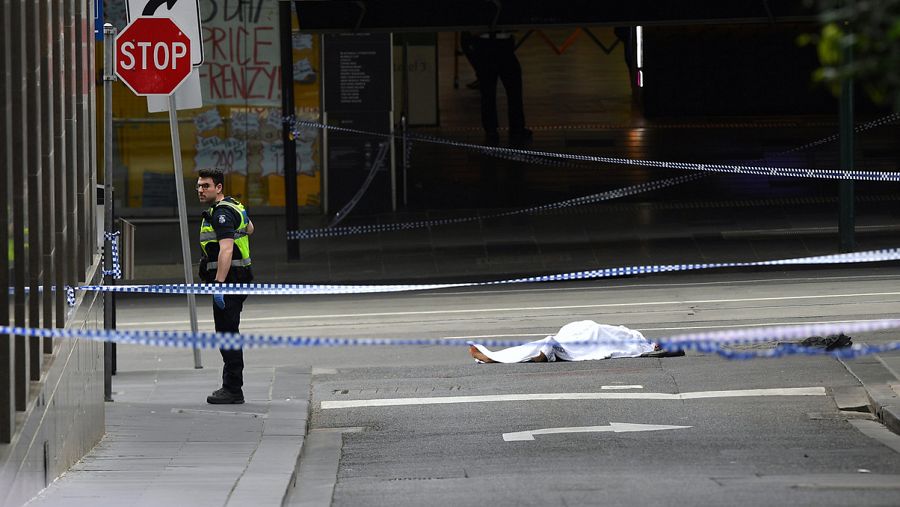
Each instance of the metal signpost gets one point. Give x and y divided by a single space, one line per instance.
109 316
153 57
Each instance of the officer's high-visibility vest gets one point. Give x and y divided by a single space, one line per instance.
209 245
11 252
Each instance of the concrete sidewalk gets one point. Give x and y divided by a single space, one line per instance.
165 446
880 375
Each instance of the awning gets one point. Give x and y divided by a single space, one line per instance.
452 15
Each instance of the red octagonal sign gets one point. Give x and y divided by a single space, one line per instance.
153 56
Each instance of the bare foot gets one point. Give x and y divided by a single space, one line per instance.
477 354
540 358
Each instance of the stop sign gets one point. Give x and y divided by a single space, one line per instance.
153 56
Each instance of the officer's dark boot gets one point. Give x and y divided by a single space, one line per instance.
225 397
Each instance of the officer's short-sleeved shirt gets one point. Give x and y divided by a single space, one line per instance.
225 222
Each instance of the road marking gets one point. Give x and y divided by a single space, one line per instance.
675 328
521 436
474 290
442 400
633 386
534 308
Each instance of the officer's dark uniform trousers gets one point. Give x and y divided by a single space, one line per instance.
493 59
228 320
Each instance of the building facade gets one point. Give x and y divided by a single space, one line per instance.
51 390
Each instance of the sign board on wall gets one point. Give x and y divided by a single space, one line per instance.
243 63
357 67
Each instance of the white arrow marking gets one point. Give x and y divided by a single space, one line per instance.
520 436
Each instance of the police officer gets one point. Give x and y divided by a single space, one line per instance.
493 55
225 249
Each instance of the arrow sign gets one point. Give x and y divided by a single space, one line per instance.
152 5
520 436
185 14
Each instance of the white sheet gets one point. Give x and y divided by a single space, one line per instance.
584 340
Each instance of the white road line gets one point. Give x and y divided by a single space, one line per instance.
442 400
884 277
674 328
534 308
495 336
761 324
633 386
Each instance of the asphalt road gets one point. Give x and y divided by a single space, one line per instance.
713 447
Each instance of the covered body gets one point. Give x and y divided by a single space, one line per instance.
584 340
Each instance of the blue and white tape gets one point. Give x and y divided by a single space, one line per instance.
714 341
330 232
878 122
545 158
753 170
708 342
891 254
116 271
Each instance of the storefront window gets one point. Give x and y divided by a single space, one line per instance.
238 129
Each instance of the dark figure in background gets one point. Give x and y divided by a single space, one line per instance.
493 56
225 249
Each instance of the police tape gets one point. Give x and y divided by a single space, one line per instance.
878 122
753 170
329 232
116 271
767 123
704 342
543 158
890 254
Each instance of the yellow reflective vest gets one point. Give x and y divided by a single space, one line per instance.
209 244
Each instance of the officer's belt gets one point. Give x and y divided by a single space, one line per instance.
234 263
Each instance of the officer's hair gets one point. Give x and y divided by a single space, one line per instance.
217 175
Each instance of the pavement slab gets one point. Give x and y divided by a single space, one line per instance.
166 445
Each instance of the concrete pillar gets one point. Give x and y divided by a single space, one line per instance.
47 122
32 130
20 159
71 145
60 158
7 405
82 225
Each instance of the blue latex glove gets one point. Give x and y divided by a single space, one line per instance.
219 301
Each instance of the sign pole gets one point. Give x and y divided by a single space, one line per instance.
147 75
109 316
182 219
